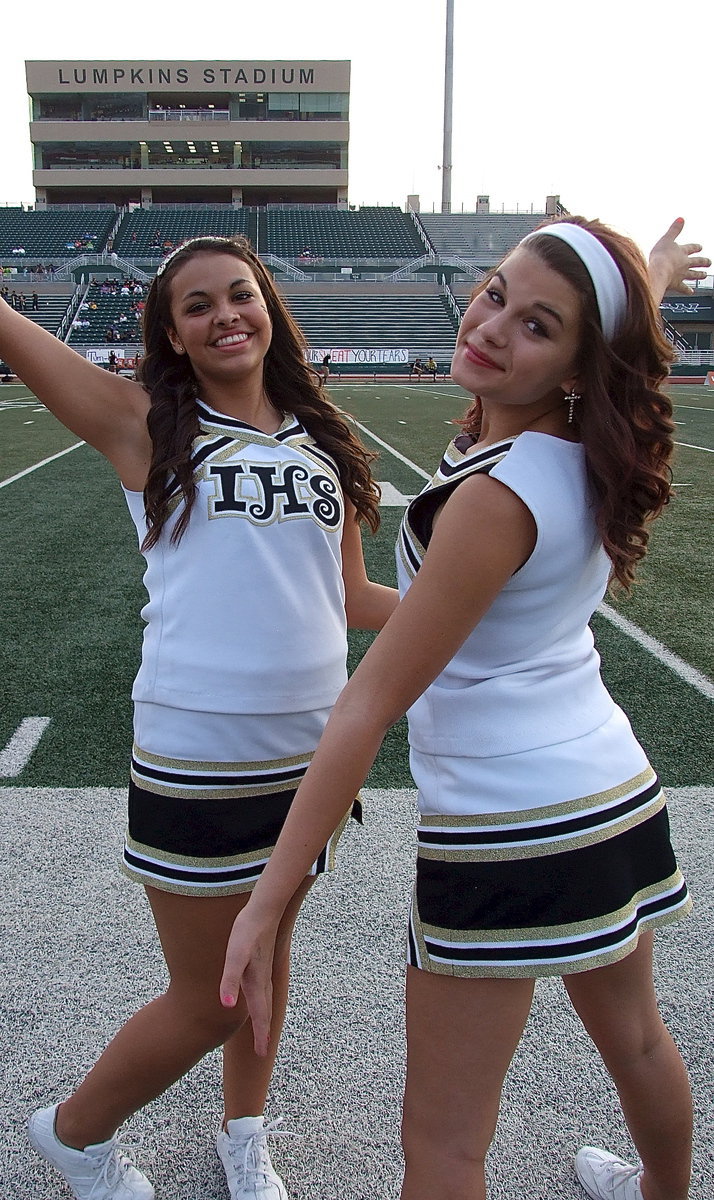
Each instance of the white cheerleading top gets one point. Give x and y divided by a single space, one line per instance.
528 675
246 614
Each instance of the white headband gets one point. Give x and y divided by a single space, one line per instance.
610 291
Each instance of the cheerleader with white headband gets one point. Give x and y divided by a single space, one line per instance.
543 840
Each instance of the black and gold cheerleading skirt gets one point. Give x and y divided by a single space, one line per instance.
551 890
206 826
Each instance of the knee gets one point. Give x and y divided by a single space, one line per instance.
635 1047
454 1153
203 1009
650 1039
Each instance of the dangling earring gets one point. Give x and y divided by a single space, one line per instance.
571 397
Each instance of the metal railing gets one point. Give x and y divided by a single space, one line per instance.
282 264
463 264
421 231
161 207
414 265
20 276
674 337
59 207
452 302
78 297
102 260
187 114
696 358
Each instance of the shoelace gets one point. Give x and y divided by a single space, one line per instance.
619 1177
112 1168
254 1151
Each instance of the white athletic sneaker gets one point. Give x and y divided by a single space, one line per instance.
243 1151
606 1177
99 1172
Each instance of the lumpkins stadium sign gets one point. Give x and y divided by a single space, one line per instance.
182 75
196 76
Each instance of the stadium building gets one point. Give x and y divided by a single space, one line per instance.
133 158
237 133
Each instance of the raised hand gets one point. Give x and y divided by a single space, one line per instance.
672 263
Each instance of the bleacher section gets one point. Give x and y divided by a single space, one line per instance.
482 238
50 310
152 232
306 235
370 311
315 233
351 276
52 233
99 315
421 323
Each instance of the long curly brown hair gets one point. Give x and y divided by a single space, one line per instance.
624 419
290 383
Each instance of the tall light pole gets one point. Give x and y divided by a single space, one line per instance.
448 109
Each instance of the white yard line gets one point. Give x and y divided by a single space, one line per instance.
690 447
391 449
45 461
689 674
18 751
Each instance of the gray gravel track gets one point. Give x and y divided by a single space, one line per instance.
79 955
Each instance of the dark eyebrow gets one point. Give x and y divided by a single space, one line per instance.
199 292
537 304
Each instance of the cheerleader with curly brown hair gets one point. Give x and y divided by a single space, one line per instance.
247 488
543 842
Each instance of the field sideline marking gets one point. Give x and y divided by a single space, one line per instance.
45 461
24 741
689 674
673 661
689 447
391 449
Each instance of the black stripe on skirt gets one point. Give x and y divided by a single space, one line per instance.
546 914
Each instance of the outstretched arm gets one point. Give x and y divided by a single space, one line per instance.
671 264
105 410
477 557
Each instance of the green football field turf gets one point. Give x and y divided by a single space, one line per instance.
69 608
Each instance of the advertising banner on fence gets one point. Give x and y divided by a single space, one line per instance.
346 357
124 360
124 357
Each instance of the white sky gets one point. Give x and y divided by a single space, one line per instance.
607 104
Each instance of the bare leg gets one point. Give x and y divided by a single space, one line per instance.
461 1037
167 1037
246 1077
618 1007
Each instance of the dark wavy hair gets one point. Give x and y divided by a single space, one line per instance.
624 419
290 383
